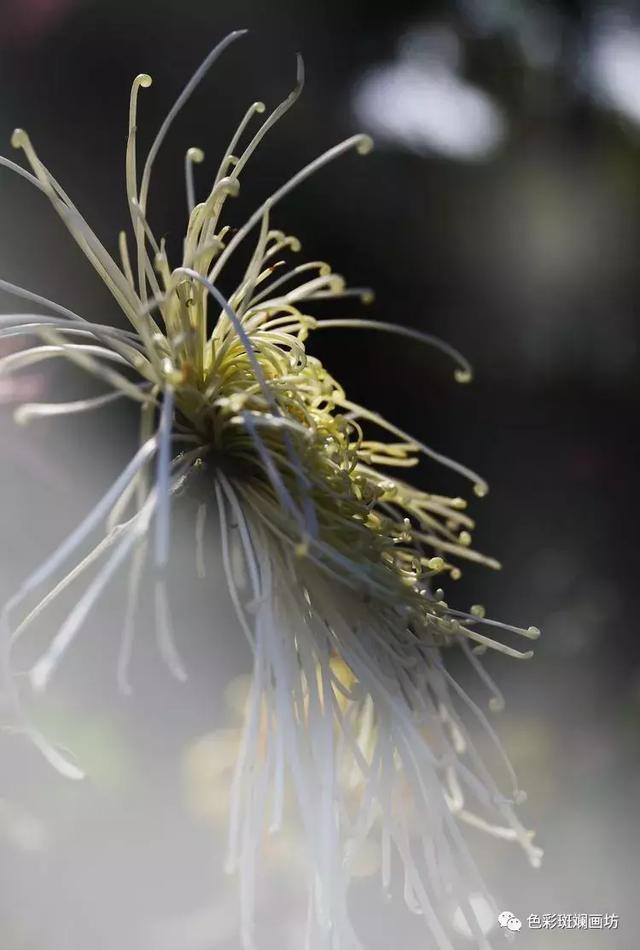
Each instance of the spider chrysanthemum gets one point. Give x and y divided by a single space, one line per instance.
333 564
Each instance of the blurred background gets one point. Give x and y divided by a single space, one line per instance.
500 211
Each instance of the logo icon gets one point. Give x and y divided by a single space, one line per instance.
509 921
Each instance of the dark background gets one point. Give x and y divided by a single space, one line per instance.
521 250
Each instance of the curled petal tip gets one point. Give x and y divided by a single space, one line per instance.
68 770
59 762
19 138
231 186
196 155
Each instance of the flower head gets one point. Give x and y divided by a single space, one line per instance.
333 564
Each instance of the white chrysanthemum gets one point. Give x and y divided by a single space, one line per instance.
330 562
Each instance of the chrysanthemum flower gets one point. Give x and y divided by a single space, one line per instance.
333 564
